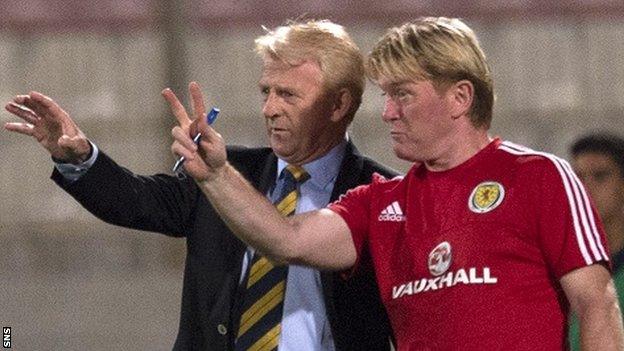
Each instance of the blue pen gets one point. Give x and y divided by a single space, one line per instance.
210 118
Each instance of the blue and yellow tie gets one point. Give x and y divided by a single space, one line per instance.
260 323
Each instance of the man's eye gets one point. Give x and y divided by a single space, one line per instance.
286 94
264 92
400 94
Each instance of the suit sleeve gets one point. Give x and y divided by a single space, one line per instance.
159 203
569 229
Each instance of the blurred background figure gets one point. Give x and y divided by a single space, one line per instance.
598 159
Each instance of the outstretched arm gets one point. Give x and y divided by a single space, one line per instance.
50 125
321 238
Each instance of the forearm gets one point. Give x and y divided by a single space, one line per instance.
250 215
158 203
601 324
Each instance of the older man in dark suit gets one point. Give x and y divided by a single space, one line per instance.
234 297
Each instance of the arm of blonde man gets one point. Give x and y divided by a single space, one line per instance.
593 299
319 239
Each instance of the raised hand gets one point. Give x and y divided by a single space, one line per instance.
50 125
205 161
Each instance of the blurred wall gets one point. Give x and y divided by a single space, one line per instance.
72 282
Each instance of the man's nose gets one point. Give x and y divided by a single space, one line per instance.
391 110
270 107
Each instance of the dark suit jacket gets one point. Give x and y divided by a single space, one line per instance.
165 204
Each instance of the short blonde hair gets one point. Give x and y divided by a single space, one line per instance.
442 50
323 42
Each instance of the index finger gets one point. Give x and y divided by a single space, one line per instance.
176 107
45 106
199 109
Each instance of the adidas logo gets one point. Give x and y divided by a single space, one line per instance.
392 213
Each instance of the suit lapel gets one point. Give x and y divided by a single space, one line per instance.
267 178
350 170
262 178
348 178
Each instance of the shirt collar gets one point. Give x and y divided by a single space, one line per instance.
324 170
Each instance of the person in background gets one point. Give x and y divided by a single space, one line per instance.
598 159
483 245
233 297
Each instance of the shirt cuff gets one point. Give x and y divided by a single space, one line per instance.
72 172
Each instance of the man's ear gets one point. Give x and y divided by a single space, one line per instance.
341 105
461 95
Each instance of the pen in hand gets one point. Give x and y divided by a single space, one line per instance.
210 118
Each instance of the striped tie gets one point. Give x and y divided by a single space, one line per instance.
260 323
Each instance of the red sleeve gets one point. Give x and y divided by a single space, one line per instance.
353 207
569 229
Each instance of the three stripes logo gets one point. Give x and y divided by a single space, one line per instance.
392 213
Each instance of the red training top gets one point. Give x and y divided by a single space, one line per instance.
470 258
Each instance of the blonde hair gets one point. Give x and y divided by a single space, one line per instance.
323 42
442 50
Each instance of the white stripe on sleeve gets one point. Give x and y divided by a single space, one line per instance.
584 227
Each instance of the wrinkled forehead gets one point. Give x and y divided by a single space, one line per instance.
308 71
389 83
283 73
276 65
273 66
396 71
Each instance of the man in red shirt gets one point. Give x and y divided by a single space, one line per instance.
483 245
482 255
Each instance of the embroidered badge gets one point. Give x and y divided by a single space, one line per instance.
485 197
440 259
